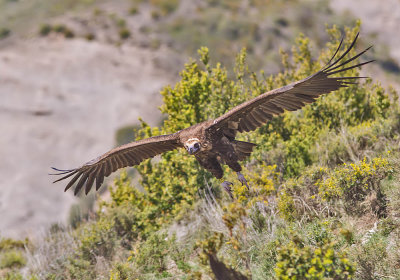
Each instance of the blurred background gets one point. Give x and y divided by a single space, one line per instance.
75 76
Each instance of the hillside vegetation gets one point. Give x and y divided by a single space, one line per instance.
323 204
183 26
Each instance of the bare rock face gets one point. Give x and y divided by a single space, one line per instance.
61 102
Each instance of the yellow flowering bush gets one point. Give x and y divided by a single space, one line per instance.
286 205
262 181
299 261
354 180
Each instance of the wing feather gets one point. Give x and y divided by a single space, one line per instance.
81 182
127 155
107 168
70 173
249 123
290 101
120 162
125 160
257 120
243 126
270 107
132 158
263 114
249 115
304 97
73 180
90 180
285 105
100 178
141 154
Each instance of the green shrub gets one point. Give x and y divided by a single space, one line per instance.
377 257
159 256
133 10
11 259
79 212
4 32
10 275
165 6
318 232
298 198
45 29
121 23
350 188
124 222
126 134
97 239
354 182
68 33
60 28
122 271
356 142
75 215
155 44
152 255
155 15
124 33
90 36
286 206
8 243
298 261
76 268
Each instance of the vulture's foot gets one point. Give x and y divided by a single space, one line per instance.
242 180
227 187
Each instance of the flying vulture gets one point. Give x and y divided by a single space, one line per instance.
213 142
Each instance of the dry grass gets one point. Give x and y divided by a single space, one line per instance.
52 250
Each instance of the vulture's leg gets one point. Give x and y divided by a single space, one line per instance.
227 187
242 180
236 167
212 165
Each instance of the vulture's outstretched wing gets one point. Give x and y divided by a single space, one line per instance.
123 156
256 112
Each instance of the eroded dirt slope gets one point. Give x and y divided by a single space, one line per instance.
61 102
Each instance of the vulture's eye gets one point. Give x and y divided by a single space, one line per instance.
196 145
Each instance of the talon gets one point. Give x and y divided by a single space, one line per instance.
227 187
242 180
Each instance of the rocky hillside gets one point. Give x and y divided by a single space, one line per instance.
75 76
75 72
62 101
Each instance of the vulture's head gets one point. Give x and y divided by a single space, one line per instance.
193 146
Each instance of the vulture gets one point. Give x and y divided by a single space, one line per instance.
213 142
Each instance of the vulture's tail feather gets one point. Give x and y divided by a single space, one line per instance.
243 149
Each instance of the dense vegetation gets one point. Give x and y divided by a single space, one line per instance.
323 204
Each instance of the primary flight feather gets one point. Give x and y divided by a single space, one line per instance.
213 142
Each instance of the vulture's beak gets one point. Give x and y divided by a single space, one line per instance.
192 149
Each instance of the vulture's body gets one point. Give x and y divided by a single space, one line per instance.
216 147
213 142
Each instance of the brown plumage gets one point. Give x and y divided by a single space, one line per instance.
222 272
213 142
